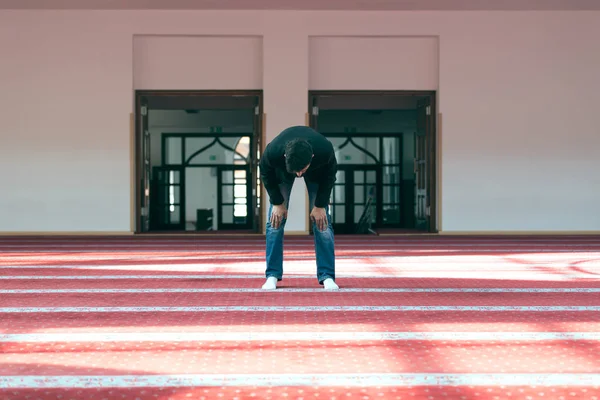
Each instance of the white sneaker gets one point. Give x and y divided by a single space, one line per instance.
329 284
270 284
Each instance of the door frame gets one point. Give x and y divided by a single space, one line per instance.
431 136
255 152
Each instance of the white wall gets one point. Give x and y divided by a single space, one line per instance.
373 63
518 93
208 62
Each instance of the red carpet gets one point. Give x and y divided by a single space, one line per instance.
417 317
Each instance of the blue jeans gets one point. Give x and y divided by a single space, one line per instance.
324 242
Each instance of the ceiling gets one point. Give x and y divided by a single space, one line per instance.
454 5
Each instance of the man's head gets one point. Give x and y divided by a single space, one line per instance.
298 156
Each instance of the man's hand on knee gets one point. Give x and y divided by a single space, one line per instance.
319 216
278 213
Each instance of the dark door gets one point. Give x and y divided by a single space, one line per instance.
422 165
404 199
254 156
145 166
168 202
354 196
200 196
234 198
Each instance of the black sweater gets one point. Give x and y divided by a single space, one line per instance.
322 169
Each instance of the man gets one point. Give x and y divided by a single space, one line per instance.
296 152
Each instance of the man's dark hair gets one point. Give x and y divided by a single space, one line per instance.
298 154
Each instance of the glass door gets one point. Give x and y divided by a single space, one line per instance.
353 200
235 197
168 204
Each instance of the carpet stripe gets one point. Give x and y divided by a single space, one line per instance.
311 380
38 277
378 243
295 336
293 309
300 253
340 249
229 262
400 274
307 290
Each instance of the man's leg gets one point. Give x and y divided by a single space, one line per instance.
274 237
324 244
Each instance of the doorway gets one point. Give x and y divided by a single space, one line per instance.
197 161
385 148
353 192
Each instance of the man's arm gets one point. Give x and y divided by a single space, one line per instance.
326 183
269 179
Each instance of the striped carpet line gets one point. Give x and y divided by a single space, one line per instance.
401 274
259 246
296 380
186 254
259 254
257 238
436 261
306 290
389 252
208 266
295 336
87 277
294 309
